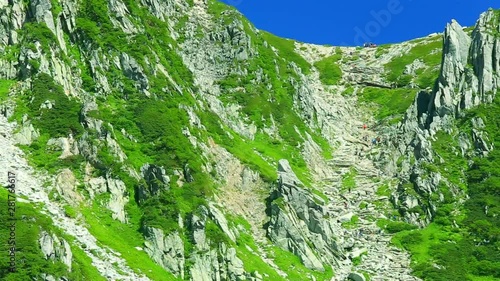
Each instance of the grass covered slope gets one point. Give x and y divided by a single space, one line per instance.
329 70
30 260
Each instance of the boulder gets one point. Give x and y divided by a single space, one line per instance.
66 184
356 276
166 250
54 248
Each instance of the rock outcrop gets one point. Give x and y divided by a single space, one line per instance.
221 264
468 78
66 184
166 250
55 249
155 181
298 221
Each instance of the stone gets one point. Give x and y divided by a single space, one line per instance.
26 134
155 181
133 70
42 11
299 225
221 221
66 184
68 146
356 276
54 248
118 199
166 250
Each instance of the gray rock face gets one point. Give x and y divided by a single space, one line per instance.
133 70
12 17
164 9
218 265
53 248
221 221
297 223
115 187
468 75
212 57
119 16
68 146
197 224
96 186
166 250
114 148
66 184
118 199
155 180
26 134
480 138
41 10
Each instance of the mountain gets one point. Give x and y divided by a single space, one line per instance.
172 140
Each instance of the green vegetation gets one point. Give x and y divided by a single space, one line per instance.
352 223
429 52
122 238
349 180
159 124
382 49
33 32
446 146
4 89
394 226
329 70
296 270
251 261
390 104
384 190
51 110
271 99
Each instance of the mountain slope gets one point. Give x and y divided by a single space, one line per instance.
172 140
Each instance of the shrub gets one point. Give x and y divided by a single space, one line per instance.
60 120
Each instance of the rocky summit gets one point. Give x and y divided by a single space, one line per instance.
172 140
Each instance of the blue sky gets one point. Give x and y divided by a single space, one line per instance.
352 22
